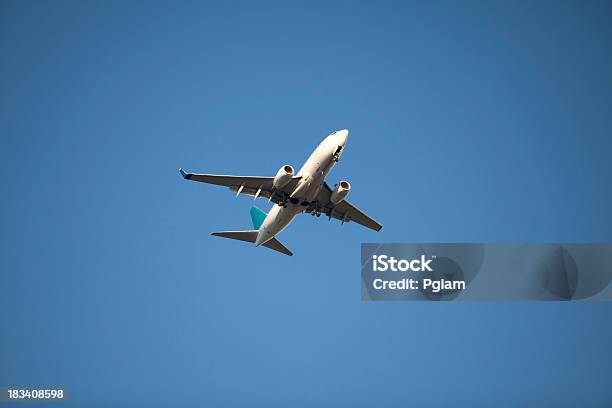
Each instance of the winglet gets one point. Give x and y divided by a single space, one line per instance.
186 176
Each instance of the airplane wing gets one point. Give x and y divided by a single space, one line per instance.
251 185
345 211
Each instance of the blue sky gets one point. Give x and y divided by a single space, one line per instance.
470 122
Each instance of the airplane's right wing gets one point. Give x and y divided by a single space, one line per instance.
251 185
345 211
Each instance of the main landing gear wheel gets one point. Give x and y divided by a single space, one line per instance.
314 212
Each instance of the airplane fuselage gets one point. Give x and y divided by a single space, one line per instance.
312 176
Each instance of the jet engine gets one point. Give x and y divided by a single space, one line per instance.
340 192
283 176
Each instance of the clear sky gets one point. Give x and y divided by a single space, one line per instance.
470 122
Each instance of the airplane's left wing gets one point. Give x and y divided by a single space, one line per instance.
251 185
345 211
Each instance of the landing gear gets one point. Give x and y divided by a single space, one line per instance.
314 210
284 198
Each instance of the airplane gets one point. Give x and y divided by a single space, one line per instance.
306 192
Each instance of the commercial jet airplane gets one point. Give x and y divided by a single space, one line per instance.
293 194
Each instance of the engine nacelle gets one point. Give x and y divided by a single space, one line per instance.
340 192
283 176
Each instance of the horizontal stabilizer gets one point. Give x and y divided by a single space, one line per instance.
251 236
276 245
247 236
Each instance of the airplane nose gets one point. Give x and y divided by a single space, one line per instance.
342 135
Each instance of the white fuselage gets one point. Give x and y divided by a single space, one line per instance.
312 174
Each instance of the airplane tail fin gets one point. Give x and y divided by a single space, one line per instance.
251 236
257 216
